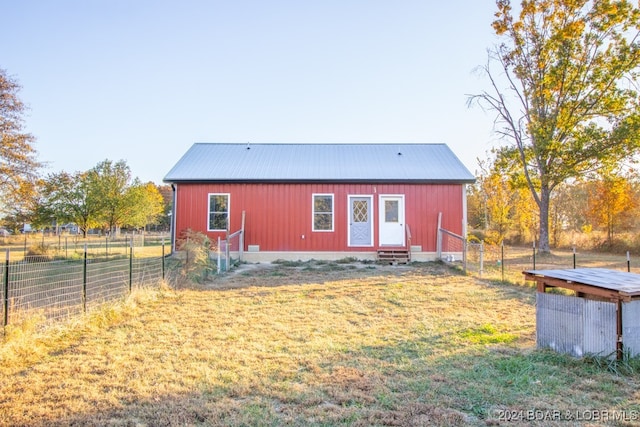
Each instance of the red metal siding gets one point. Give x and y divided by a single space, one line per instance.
279 215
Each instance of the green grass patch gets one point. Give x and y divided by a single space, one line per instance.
487 334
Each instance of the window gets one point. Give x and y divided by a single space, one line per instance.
218 212
323 212
391 210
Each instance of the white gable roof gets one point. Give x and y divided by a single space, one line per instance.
213 162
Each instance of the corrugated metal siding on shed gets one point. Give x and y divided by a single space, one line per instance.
631 326
575 326
599 327
559 323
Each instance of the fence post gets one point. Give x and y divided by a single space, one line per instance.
502 259
481 257
218 254
574 257
241 249
534 254
163 258
131 265
84 280
5 321
628 263
465 249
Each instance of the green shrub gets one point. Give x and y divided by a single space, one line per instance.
196 264
38 253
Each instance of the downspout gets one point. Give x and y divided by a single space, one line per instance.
464 211
173 218
464 229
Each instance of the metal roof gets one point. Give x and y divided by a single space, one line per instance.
214 162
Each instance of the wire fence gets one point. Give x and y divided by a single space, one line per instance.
451 247
73 246
507 263
229 251
63 288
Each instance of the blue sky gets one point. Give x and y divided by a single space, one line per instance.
143 80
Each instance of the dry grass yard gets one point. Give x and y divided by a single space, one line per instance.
315 344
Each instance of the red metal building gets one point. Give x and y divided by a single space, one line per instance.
322 201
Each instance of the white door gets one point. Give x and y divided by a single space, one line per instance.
392 220
360 223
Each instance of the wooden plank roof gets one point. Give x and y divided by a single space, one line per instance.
617 283
408 163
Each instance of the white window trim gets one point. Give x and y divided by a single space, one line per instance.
209 210
313 212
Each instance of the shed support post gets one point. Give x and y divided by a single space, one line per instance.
619 343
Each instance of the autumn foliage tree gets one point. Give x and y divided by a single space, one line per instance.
612 204
565 93
18 162
493 198
146 204
103 197
500 205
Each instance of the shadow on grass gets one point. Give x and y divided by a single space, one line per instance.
398 385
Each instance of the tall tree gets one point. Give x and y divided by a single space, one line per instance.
109 182
495 204
570 103
147 205
612 203
18 163
167 196
69 198
499 203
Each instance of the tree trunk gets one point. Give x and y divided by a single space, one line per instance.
543 243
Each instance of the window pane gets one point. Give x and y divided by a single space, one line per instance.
360 211
218 203
391 210
218 221
322 204
322 222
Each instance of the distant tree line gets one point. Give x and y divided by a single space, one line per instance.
105 197
599 210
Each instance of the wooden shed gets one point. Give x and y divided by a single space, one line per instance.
602 317
322 201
